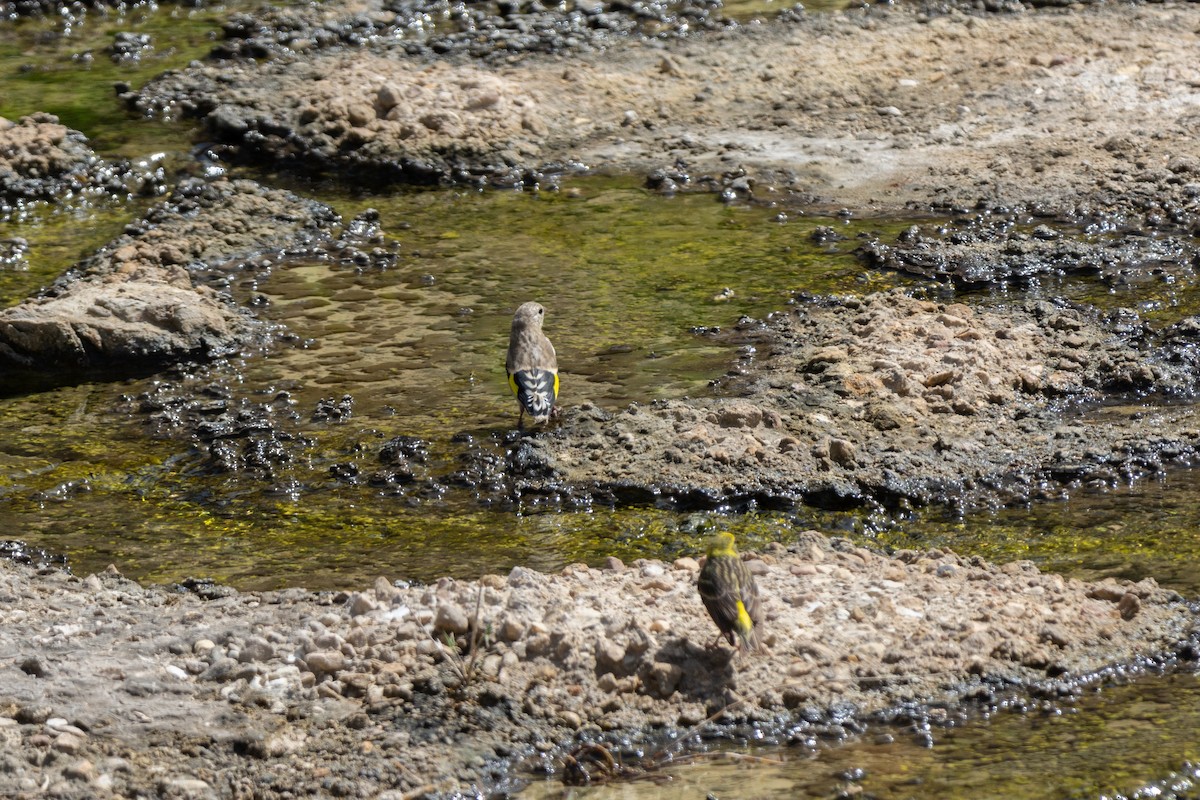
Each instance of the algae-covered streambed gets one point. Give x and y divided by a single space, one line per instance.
636 285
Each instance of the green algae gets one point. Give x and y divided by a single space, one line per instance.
627 278
1149 529
1118 742
62 66
57 238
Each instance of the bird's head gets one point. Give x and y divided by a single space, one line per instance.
721 544
529 315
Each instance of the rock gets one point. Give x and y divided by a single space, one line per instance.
222 669
187 789
325 662
33 714
361 604
520 576
256 648
128 322
1129 606
511 630
842 451
652 569
68 743
82 770
739 415
451 618
135 305
1056 635
386 592
610 656
34 666
662 679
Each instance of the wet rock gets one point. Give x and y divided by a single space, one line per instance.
132 305
41 159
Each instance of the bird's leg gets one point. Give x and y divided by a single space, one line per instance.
521 419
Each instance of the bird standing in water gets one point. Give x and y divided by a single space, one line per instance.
532 365
730 594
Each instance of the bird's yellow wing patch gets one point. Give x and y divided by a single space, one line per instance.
744 623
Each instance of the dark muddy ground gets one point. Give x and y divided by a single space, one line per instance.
1028 126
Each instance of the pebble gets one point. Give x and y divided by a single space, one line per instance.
68 743
452 618
33 714
34 666
511 630
492 581
686 563
186 788
361 604
385 592
256 648
652 569
82 770
326 661
757 566
223 669
177 672
842 451
1129 606
610 655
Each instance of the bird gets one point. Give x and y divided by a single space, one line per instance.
730 594
532 365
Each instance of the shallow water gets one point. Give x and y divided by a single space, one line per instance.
1135 740
626 274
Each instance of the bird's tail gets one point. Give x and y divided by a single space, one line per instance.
536 389
746 631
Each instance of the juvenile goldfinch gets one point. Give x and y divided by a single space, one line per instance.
730 594
532 365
